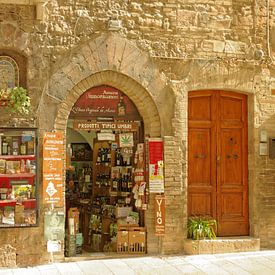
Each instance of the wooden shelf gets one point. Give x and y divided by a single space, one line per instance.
17 157
19 175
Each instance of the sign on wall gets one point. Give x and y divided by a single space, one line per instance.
54 225
94 125
53 162
156 165
104 101
160 215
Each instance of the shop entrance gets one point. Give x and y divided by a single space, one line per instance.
217 159
105 175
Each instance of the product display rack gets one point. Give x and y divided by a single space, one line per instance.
18 201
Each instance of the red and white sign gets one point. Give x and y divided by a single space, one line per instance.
156 166
104 101
160 215
53 161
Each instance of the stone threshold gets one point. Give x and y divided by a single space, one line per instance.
103 255
221 245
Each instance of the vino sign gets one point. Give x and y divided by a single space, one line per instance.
104 101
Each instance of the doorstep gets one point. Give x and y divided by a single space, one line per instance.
221 245
102 256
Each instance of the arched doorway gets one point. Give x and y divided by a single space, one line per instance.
217 159
105 153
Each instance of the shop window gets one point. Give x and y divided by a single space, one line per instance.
18 203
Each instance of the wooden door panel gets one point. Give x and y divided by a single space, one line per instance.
199 157
201 114
231 108
201 203
201 143
232 188
231 157
232 206
217 159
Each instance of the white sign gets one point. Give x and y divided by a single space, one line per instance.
156 186
54 246
126 140
51 189
106 136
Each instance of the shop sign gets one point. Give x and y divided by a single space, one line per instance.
53 161
54 225
160 215
97 126
156 166
104 101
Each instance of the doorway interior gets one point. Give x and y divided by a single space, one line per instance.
217 159
105 172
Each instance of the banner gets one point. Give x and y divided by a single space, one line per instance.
94 125
160 215
104 101
53 162
156 166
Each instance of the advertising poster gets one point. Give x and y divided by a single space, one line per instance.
54 225
53 161
156 166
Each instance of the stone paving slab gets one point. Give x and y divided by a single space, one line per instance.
258 263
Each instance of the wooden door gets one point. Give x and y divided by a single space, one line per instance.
217 159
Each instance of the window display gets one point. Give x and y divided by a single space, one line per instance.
18 204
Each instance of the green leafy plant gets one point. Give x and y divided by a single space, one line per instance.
17 100
201 227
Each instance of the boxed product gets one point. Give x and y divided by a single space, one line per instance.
124 211
73 219
2 166
137 240
8 215
19 216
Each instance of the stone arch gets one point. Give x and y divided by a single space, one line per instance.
131 88
113 60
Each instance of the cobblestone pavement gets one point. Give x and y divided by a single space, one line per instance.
261 262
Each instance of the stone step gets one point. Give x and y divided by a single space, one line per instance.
221 245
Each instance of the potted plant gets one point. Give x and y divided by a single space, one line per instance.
201 227
16 100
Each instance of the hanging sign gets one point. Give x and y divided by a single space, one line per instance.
160 215
53 162
156 166
96 126
105 101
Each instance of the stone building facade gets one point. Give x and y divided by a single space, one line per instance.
155 52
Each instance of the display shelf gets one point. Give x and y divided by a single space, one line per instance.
28 204
17 157
18 175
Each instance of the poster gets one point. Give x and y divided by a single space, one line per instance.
156 166
160 215
54 225
126 140
53 162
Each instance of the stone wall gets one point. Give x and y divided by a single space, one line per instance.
163 49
